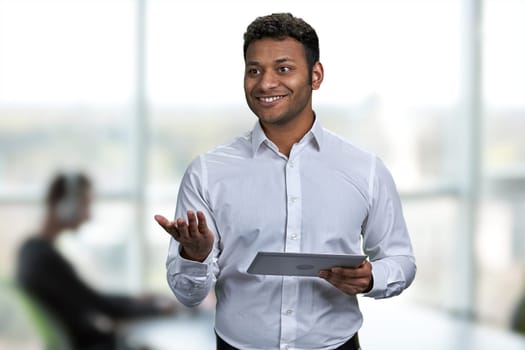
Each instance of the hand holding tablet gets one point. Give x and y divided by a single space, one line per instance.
300 264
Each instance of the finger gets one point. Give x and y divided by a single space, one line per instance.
168 226
161 220
363 270
182 229
324 274
342 281
203 225
351 287
341 285
346 272
335 279
192 224
165 223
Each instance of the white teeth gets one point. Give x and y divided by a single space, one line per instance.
270 99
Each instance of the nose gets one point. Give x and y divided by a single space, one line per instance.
268 80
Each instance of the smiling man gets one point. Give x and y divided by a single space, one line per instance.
287 186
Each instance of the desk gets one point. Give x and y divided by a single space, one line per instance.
388 324
185 331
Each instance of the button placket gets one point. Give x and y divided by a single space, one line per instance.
294 218
292 244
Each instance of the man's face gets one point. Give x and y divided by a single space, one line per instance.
276 80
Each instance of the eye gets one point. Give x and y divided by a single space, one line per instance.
252 71
284 69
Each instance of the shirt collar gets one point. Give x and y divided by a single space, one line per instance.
315 134
258 138
318 133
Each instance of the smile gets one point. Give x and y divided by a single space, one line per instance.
270 99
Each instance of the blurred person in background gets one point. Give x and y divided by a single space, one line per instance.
289 185
88 317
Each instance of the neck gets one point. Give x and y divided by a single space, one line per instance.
50 229
286 135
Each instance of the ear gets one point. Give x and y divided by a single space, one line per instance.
317 75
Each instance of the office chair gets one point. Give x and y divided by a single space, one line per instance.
24 317
518 319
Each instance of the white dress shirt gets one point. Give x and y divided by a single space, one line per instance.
328 196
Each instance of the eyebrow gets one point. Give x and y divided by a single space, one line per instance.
279 60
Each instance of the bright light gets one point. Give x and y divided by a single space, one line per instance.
62 51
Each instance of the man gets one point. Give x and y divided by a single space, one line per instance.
291 186
88 317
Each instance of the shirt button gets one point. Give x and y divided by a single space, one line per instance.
291 164
293 236
294 199
289 312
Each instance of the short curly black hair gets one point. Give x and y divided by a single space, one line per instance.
280 26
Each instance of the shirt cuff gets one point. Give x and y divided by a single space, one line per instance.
379 274
180 265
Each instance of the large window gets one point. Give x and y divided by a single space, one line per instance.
500 244
388 87
132 90
67 97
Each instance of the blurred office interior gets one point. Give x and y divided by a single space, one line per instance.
130 91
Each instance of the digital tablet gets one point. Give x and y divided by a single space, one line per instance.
300 264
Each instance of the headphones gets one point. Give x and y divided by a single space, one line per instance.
68 208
